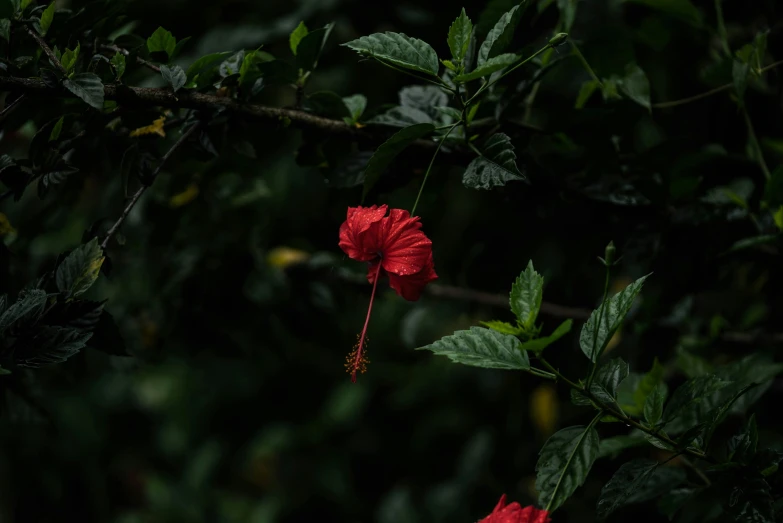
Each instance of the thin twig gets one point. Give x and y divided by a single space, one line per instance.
46 49
137 196
756 145
125 52
726 87
688 463
10 107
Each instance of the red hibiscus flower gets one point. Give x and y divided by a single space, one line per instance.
395 247
514 513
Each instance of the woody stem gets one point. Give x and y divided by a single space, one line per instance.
358 358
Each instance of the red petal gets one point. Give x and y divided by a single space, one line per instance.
514 513
411 286
532 514
358 234
405 248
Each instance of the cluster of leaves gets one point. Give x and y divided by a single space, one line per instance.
683 424
457 98
50 322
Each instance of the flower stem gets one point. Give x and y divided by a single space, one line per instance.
429 168
357 360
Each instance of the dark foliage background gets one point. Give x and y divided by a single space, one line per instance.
235 406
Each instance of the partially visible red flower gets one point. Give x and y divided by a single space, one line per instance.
514 513
394 246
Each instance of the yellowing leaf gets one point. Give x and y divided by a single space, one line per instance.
544 409
185 197
282 257
5 226
155 127
778 217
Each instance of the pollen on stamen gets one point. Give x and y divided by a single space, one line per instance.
356 361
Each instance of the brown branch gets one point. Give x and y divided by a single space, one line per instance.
125 52
46 49
147 97
137 196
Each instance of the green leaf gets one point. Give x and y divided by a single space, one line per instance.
299 32
754 241
719 414
206 63
692 365
681 9
691 393
653 404
526 295
55 177
499 37
647 384
739 75
356 105
615 310
564 463
79 270
585 92
750 500
492 65
502 327
57 129
248 73
28 307
425 98
629 478
390 149
4 372
178 48
459 36
607 379
401 117
47 17
480 347
174 76
637 481
118 63
612 447
539 344
50 345
69 57
310 48
636 86
398 49
86 86
162 41
742 446
496 166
